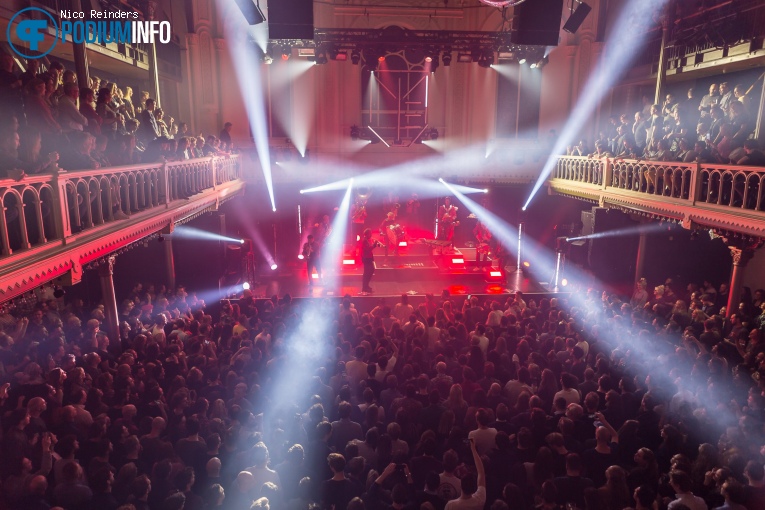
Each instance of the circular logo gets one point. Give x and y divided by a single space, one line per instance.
31 31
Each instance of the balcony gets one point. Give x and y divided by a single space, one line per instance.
721 197
52 225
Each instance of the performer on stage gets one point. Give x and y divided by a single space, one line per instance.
447 220
323 230
368 245
358 218
482 246
389 235
312 255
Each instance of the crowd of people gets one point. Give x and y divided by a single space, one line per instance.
50 120
718 128
586 401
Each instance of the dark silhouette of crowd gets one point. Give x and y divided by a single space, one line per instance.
49 120
717 128
589 401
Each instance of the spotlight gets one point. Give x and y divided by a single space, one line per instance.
563 282
526 264
522 61
446 58
286 53
241 241
274 266
321 57
246 285
268 59
355 57
300 256
428 59
533 66
381 58
485 190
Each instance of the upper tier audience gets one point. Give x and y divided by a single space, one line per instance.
69 120
718 128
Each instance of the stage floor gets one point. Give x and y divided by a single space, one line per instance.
457 282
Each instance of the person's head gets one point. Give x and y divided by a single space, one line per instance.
724 88
149 105
368 233
9 141
469 485
227 127
754 472
336 462
644 496
680 481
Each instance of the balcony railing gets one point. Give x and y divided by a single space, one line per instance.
732 187
53 207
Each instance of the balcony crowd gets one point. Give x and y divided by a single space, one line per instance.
594 402
718 128
48 120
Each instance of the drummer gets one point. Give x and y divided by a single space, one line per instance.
389 235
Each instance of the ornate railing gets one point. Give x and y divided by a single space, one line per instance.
730 186
55 206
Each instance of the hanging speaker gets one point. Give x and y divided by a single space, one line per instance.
290 19
251 11
577 18
537 22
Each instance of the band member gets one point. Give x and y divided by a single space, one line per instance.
312 255
358 218
482 246
413 210
323 230
447 220
368 245
389 235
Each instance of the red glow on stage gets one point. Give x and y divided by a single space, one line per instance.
494 289
495 274
349 262
458 261
285 57
402 244
457 289
381 59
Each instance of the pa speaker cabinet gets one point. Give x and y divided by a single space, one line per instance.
537 22
290 19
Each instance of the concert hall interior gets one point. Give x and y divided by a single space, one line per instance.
492 253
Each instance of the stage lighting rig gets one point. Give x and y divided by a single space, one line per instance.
355 56
447 57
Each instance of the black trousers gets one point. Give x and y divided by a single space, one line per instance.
369 270
313 262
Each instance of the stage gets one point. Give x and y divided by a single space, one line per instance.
415 271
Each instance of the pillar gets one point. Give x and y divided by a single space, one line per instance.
80 56
661 74
741 256
759 130
640 260
153 68
106 273
169 263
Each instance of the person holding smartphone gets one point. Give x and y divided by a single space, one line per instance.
473 487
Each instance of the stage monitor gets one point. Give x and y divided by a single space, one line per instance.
290 19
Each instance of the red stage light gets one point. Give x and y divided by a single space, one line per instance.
381 58
494 289
458 261
402 244
495 274
457 289
349 262
285 56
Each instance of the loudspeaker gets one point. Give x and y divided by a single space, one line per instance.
290 19
537 22
577 18
251 11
